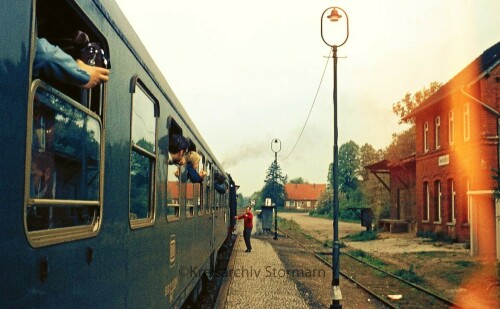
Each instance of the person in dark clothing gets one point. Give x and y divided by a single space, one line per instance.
247 227
219 183
52 62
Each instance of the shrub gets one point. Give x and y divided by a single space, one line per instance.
362 236
409 275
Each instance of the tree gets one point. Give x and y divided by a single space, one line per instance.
409 102
368 155
402 145
349 168
298 180
274 187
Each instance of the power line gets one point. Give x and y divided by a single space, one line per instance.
310 110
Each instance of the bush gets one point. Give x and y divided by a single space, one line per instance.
362 236
409 275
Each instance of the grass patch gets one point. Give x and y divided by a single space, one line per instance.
365 257
465 264
290 225
409 275
435 237
362 236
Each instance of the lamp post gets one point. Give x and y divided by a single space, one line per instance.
336 294
275 147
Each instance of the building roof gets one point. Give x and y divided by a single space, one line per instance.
304 191
477 69
173 189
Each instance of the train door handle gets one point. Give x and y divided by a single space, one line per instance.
44 268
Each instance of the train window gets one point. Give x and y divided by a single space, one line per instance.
208 187
200 189
174 192
60 22
64 175
142 157
190 199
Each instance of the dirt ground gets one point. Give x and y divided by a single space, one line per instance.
447 269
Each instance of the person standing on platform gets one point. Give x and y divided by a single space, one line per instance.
247 226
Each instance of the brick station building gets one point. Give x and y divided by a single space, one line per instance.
457 146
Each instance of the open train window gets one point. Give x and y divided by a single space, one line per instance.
200 188
190 186
143 156
174 192
64 160
208 188
60 22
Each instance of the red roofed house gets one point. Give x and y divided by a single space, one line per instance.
303 196
457 144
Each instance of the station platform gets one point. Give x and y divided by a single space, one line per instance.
255 280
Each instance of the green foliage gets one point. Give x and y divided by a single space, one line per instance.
298 180
403 145
362 236
362 255
434 237
409 102
289 225
409 275
496 177
465 264
274 186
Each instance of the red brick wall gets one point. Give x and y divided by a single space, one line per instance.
470 161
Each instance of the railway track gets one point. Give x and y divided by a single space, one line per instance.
391 290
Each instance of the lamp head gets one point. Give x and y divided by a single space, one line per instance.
334 15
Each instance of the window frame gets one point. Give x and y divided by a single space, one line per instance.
466 122
451 201
174 128
451 127
437 131
438 199
45 237
426 202
151 156
426 137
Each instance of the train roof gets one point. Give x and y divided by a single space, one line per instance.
112 12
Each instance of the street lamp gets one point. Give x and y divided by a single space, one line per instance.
275 147
336 294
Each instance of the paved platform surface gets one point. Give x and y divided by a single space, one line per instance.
258 279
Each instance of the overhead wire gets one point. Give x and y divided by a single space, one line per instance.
310 110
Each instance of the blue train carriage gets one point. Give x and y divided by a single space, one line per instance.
92 214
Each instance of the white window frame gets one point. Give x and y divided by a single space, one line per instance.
466 122
451 127
427 201
437 132
439 197
452 200
426 140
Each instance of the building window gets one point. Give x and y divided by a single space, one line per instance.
426 198
469 201
437 201
451 200
451 128
143 157
438 132
466 122
426 133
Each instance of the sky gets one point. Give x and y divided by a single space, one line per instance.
248 72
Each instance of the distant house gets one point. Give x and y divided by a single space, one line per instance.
303 196
457 146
